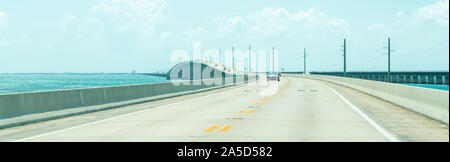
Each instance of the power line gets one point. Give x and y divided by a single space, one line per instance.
435 53
428 49
431 53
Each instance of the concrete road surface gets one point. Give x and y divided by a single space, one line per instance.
294 109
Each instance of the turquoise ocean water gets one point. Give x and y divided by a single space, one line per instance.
432 86
14 83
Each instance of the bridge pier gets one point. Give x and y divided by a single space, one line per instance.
430 79
401 78
439 80
415 79
383 78
446 80
395 79
422 79
408 79
378 78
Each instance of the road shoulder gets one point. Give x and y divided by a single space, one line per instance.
406 125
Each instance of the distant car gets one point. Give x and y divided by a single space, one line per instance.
273 76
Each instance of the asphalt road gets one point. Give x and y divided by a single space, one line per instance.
294 109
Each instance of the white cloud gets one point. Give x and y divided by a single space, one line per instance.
67 19
3 15
3 42
144 22
374 26
3 18
399 14
437 12
3 35
192 31
131 14
165 35
79 32
273 22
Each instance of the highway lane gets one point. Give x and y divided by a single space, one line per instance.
291 110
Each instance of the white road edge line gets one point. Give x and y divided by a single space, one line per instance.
120 116
383 131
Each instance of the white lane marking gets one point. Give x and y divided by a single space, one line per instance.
383 131
120 116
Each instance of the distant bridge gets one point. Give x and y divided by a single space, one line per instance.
414 77
186 71
156 74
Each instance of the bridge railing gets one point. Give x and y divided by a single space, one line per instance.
396 77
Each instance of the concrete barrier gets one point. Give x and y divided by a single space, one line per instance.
431 103
17 105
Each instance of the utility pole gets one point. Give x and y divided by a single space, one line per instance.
232 55
389 60
249 58
389 51
273 58
220 56
345 58
304 61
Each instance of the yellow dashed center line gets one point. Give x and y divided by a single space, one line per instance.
227 127
212 128
224 129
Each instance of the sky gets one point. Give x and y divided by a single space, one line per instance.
119 36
